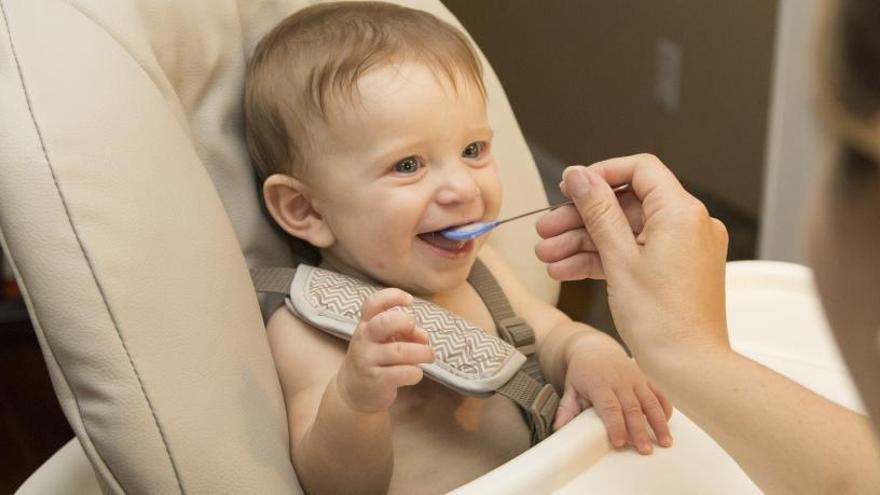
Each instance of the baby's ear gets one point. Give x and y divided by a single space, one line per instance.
289 203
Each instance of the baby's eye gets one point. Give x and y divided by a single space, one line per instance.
473 150
409 165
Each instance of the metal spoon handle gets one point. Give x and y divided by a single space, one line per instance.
618 189
539 210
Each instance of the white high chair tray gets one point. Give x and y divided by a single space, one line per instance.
775 318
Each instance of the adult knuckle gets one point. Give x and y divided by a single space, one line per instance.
696 211
597 214
692 213
720 231
649 159
646 157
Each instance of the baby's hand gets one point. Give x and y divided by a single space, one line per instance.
602 375
383 353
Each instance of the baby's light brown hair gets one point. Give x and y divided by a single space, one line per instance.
312 61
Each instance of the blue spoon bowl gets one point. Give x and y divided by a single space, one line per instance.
469 231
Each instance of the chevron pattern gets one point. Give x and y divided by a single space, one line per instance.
460 347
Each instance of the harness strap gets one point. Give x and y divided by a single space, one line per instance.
540 398
274 280
513 329
537 401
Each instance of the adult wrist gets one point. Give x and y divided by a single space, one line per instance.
668 364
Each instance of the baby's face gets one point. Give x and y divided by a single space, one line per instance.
410 156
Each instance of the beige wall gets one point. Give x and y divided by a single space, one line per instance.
581 74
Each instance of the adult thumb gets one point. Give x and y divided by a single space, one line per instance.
601 212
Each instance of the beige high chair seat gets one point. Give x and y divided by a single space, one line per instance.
129 210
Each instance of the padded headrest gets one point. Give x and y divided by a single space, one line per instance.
126 202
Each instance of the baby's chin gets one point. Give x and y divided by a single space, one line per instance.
426 284
415 277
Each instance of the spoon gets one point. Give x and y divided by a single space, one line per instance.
476 229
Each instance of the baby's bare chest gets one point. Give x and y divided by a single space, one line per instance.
453 437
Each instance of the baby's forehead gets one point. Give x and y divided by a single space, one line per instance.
413 84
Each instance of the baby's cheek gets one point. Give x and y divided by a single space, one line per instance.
492 196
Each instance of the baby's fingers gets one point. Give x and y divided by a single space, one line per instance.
420 336
568 408
607 406
402 375
392 324
656 415
636 424
396 353
383 300
667 406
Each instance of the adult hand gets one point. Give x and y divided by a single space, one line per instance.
661 253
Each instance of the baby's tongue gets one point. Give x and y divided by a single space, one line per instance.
437 239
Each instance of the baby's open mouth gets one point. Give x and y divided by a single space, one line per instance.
437 240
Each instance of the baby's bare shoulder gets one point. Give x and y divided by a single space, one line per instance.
304 355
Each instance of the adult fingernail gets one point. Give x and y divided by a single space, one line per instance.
666 441
577 182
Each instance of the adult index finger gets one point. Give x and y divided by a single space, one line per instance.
646 175
601 213
558 221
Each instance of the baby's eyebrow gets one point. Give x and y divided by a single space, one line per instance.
397 151
483 131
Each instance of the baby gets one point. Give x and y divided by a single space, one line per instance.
367 123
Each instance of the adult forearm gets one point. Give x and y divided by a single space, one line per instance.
344 450
787 438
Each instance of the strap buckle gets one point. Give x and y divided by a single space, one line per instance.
542 412
517 332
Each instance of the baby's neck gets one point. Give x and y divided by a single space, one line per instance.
329 262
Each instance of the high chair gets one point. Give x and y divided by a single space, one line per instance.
130 212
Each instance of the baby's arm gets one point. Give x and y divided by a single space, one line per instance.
589 368
338 402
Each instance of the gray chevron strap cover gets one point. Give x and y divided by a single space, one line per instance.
466 358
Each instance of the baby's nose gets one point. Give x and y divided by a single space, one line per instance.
459 186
